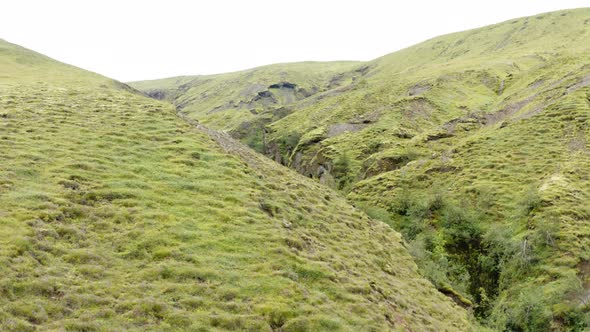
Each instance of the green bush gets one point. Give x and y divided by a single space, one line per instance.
342 172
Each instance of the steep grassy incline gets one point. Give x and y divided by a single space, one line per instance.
494 201
473 145
509 206
420 92
117 215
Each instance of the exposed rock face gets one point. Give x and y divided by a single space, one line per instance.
585 81
418 89
385 164
319 166
364 70
283 85
437 136
157 94
272 150
341 128
263 94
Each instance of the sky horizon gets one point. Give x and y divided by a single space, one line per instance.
141 40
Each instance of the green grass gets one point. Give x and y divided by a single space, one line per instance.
231 102
491 122
115 214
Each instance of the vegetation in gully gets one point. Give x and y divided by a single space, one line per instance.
443 187
473 145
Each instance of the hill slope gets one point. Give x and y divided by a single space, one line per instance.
474 146
243 103
117 215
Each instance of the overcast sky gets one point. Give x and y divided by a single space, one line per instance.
135 40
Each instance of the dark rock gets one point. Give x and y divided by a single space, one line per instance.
363 70
304 93
157 94
386 164
283 85
321 170
335 81
437 136
443 169
265 94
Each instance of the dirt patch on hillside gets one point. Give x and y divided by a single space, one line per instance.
536 84
157 94
508 111
530 114
585 81
491 82
419 108
287 95
419 89
553 95
385 164
501 88
336 81
341 128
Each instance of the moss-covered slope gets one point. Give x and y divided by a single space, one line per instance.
243 103
474 145
117 215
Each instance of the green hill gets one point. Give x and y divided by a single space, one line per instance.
473 145
243 103
115 214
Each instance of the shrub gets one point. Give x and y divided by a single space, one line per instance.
34 313
151 308
178 320
342 171
531 201
297 325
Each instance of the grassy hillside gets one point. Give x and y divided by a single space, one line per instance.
243 103
473 145
413 93
117 215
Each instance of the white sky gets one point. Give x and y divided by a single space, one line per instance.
134 40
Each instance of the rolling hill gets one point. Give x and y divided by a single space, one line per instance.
472 144
243 103
116 214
